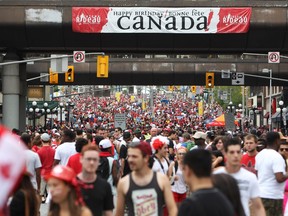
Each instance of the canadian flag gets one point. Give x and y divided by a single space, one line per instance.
12 163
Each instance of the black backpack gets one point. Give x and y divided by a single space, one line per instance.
103 168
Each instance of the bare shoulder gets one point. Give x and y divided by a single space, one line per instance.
86 211
162 180
123 184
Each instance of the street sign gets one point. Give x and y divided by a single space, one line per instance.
225 74
237 78
224 96
273 57
79 56
120 121
58 64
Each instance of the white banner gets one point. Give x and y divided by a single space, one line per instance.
160 20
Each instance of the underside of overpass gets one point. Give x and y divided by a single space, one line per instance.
168 71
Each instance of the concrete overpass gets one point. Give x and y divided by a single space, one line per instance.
166 71
268 29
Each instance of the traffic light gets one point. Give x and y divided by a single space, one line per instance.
170 88
209 80
69 75
53 77
193 89
102 66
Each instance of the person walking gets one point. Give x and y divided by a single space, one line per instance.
247 181
74 160
143 191
66 199
24 200
204 199
248 159
33 163
46 154
175 174
66 149
229 187
161 162
96 191
271 171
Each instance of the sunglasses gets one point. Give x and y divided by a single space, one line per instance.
282 149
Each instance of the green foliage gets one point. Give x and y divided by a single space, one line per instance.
236 95
56 88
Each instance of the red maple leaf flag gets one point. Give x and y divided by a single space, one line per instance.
12 163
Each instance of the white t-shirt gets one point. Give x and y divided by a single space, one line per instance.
157 166
247 183
179 186
32 162
64 151
267 163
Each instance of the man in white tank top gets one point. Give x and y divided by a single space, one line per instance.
143 190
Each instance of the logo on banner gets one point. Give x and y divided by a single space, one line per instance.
79 56
89 19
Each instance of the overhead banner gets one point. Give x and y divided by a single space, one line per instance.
160 20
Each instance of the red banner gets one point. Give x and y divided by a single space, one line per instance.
160 20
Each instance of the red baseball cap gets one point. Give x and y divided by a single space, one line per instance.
63 173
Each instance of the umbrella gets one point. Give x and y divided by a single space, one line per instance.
219 121
216 124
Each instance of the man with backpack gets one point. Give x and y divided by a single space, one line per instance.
107 168
124 169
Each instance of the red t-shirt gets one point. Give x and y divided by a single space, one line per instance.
74 163
35 148
248 162
46 154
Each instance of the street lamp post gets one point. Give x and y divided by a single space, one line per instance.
69 105
282 110
45 110
253 112
54 111
265 70
61 106
231 107
34 109
239 111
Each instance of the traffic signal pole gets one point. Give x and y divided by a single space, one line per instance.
44 59
14 113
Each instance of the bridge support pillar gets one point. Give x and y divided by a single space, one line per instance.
11 94
22 97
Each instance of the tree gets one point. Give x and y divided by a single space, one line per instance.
223 95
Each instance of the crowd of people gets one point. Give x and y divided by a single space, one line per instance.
168 163
164 172
89 112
